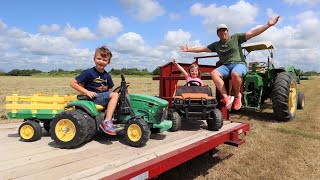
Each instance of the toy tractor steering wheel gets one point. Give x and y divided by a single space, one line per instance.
123 83
193 83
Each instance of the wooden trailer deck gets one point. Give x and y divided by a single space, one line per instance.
107 157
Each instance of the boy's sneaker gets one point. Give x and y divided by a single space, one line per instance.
228 101
107 127
237 102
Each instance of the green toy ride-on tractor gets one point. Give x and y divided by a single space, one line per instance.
264 81
138 115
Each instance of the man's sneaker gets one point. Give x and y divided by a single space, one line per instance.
237 102
107 127
228 101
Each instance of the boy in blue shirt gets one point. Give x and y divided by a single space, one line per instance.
97 84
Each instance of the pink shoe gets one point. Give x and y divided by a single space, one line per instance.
107 127
237 102
228 101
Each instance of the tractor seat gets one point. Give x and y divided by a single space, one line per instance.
259 69
87 98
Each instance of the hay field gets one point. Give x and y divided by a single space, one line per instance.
273 150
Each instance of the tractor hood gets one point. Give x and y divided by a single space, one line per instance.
149 99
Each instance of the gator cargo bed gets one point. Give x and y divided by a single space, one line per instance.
107 156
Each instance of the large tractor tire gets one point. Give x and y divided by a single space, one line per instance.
300 100
137 132
176 120
30 131
285 97
69 129
215 121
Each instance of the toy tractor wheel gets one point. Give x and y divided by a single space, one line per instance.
215 121
137 132
46 125
30 131
300 100
70 128
285 96
176 120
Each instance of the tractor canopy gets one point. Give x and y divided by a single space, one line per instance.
258 46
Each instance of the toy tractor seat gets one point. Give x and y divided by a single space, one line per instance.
87 98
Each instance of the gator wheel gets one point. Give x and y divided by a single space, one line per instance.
215 121
69 128
46 125
137 132
300 100
176 120
285 96
30 131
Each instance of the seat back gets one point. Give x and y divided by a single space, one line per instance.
193 89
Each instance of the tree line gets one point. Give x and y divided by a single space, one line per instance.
61 72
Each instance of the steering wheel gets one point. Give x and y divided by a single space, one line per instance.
193 83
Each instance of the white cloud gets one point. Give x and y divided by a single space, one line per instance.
44 45
143 10
83 33
299 2
49 29
214 15
109 27
3 26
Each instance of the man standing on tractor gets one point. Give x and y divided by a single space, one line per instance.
232 60
97 84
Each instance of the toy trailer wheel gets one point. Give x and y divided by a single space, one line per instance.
285 96
137 132
30 131
215 121
176 120
69 129
300 100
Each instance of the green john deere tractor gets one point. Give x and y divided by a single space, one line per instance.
264 81
139 114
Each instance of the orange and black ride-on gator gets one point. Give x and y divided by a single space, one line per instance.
196 101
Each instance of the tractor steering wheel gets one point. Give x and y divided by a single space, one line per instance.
193 83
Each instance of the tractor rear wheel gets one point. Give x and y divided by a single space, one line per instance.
30 131
137 132
215 120
69 129
176 120
300 100
285 96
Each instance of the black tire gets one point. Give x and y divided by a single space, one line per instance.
92 126
300 100
215 120
69 129
155 130
46 125
137 132
30 131
284 96
176 120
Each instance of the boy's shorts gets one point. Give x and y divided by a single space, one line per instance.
226 69
102 98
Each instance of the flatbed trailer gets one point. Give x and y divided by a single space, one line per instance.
107 157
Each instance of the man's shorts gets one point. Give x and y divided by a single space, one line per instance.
225 70
102 98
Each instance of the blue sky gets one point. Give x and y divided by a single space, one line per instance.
48 35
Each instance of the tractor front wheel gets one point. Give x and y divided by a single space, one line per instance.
215 120
137 132
285 96
300 100
30 131
69 129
